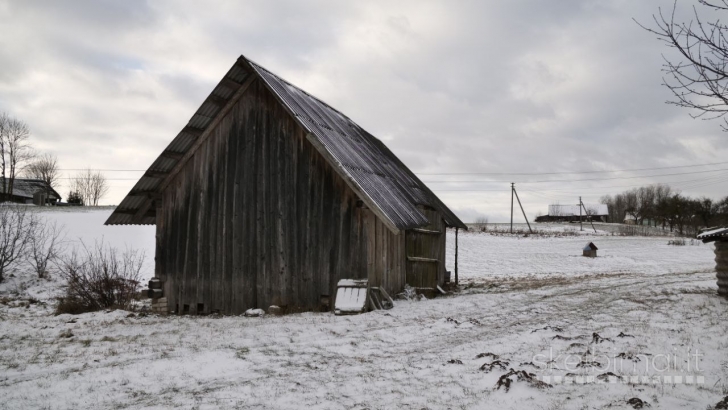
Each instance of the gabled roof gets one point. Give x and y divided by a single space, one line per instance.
25 188
380 179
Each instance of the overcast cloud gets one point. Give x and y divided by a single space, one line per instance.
450 87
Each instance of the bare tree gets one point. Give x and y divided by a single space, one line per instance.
98 187
16 230
18 149
44 168
663 193
79 185
698 78
90 185
4 121
15 151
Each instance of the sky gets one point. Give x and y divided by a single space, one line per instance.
484 89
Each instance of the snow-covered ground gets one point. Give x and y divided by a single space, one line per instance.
642 308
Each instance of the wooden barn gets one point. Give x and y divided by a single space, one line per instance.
269 196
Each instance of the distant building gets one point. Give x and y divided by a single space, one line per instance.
570 213
631 219
24 190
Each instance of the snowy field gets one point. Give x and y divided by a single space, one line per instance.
642 310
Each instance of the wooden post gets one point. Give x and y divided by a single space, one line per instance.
581 228
456 255
721 266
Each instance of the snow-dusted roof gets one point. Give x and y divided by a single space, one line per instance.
25 188
714 233
380 179
573 210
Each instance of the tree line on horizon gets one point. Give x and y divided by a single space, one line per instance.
661 206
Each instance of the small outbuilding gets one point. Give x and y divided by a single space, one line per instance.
269 196
31 191
720 237
590 250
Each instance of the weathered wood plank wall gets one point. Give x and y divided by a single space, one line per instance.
257 218
425 249
385 255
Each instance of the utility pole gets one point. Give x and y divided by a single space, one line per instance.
515 193
456 256
581 228
513 189
581 205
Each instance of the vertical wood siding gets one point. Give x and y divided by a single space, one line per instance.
426 251
721 266
385 255
257 218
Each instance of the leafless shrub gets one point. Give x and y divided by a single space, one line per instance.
16 231
482 223
504 230
99 277
46 245
636 230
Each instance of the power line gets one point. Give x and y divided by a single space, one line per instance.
585 179
602 188
468 173
572 172
707 182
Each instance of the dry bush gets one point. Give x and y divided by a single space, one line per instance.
99 277
497 230
47 243
16 231
635 230
482 223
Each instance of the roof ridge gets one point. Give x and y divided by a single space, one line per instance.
258 66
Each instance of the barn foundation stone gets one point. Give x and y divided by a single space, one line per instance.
159 306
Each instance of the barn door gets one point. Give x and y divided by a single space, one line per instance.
424 248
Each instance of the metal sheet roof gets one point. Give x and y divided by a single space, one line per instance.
389 186
713 234
25 188
376 171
